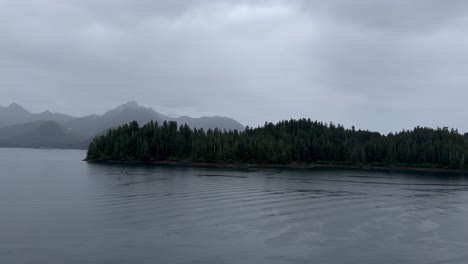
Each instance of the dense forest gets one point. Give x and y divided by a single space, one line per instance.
293 141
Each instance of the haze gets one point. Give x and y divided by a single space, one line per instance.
378 65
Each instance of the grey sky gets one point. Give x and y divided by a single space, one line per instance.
379 65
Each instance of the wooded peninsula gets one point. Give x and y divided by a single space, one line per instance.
288 142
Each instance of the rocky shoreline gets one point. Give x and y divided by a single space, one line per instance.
276 166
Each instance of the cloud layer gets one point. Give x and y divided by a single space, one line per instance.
381 65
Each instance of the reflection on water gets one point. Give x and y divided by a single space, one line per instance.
57 209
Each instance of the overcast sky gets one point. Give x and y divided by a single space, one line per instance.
378 65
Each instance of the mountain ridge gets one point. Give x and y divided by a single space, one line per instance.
82 130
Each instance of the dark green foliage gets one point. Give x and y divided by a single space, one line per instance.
301 141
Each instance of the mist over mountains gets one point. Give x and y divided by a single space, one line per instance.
20 128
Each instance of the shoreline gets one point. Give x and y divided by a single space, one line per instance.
276 166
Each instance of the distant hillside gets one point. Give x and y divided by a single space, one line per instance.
77 132
15 114
210 122
39 134
92 125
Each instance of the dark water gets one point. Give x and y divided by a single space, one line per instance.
56 209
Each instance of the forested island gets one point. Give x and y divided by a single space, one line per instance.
288 142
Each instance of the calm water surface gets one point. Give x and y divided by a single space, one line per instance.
54 208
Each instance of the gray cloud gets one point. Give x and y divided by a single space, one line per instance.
383 65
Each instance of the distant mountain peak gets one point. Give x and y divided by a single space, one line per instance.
130 108
16 108
128 105
131 104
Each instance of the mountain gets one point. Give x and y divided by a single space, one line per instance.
211 122
12 114
39 134
15 114
77 132
92 125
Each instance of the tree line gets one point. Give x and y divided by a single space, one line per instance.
291 141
